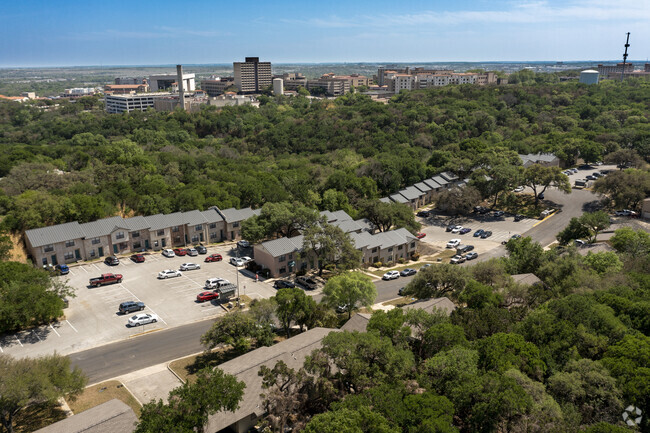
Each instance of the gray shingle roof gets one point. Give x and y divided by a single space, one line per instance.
103 227
537 157
194 217
137 223
358 322
399 198
449 176
282 246
232 215
432 183
54 234
292 351
385 200
526 279
212 216
349 226
110 417
440 181
339 215
411 193
428 305
422 186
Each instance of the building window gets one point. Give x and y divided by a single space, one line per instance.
282 258
198 227
92 253
44 261
68 255
48 248
213 225
390 250
374 250
412 244
137 245
135 234
119 235
155 244
235 224
213 235
195 238
69 243
177 239
290 256
95 241
160 232
175 229
283 270
400 247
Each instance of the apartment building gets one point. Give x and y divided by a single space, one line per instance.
125 89
128 103
69 242
605 70
252 76
355 80
331 85
217 86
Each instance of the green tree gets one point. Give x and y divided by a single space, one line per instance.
31 381
385 216
538 178
624 158
603 262
188 406
575 230
292 306
525 256
458 201
236 329
630 241
595 222
502 351
437 281
363 420
352 289
625 188
285 394
6 246
330 246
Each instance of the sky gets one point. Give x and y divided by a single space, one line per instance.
128 32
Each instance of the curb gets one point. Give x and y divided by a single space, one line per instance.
545 218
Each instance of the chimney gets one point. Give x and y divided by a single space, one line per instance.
179 80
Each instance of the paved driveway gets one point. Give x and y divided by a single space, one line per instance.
92 318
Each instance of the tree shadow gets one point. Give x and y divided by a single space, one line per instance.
592 206
37 416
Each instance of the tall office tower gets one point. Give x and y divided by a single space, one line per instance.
252 76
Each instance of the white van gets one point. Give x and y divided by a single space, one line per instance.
215 283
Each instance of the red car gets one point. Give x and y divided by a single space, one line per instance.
180 251
214 258
206 296
420 235
138 258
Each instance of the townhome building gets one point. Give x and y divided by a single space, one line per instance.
414 196
385 247
427 193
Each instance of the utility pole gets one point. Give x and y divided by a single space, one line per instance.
627 44
237 268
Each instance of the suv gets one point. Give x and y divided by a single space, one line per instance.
130 307
453 243
215 283
201 249
62 269
307 283
112 261
283 284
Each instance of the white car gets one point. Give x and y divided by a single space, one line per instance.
189 266
453 243
246 259
215 283
169 273
168 253
456 229
243 244
142 319
390 275
625 212
519 189
237 261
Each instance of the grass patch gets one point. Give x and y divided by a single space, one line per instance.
101 393
399 302
524 204
37 416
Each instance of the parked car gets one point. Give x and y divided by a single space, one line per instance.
214 258
408 272
246 259
597 174
575 170
486 234
284 284
137 258
342 308
540 196
130 307
579 242
401 291
420 235
236 261
390 275
112 261
169 273
625 212
478 232
590 177
192 252
201 249
426 265
189 266
518 189
515 236
423 213
450 227
465 230
307 283
453 243
464 248
105 279
519 217
206 296
481 210
457 259
168 253
180 251
471 256
457 229
499 214
243 244
142 319
62 269
215 283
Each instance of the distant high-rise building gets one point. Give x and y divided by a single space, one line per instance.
252 76
615 69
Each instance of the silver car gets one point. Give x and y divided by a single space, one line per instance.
189 266
168 273
142 319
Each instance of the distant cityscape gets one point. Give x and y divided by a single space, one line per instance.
247 80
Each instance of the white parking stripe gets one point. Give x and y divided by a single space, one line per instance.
83 268
72 326
54 330
96 267
21 344
35 333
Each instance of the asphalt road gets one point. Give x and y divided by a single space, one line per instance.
105 362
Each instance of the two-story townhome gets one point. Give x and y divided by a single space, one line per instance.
232 221
56 244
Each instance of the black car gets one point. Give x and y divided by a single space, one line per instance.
423 213
519 217
408 272
401 291
540 196
201 249
486 234
283 284
130 307
450 227
112 261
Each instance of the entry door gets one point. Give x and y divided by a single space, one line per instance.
201 237
146 243
77 254
100 251
115 249
54 262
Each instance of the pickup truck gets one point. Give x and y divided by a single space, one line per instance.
105 279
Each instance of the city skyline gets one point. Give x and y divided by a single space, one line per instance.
74 33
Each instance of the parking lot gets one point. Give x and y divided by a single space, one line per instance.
502 229
92 317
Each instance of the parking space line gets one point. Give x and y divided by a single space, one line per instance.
161 319
96 267
21 344
83 268
71 326
35 333
54 330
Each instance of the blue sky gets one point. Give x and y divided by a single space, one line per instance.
119 32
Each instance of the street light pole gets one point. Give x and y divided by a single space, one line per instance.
237 270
